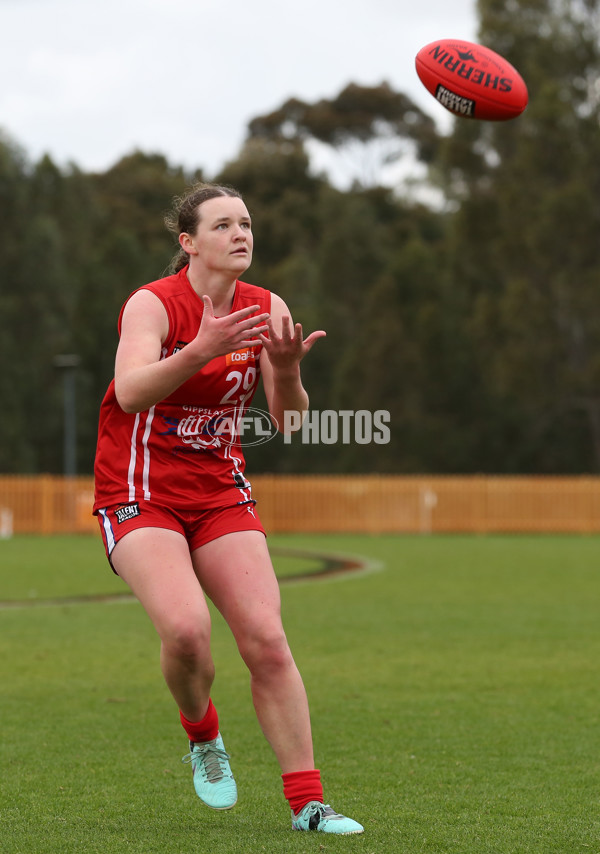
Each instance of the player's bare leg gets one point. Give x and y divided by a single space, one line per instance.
236 573
155 563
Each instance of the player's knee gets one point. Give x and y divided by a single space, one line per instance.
188 639
267 651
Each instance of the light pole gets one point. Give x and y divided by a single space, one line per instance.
68 363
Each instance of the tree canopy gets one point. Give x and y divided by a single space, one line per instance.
474 322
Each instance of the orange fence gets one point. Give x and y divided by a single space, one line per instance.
343 503
46 505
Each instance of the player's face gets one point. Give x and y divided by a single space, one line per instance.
223 240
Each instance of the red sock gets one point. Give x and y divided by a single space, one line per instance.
204 730
301 787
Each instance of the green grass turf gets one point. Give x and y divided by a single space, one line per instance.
37 568
454 697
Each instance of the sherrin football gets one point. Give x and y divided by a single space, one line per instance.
471 81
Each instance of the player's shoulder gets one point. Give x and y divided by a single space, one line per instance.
247 294
168 286
278 307
154 297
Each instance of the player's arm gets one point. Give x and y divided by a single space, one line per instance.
280 360
142 378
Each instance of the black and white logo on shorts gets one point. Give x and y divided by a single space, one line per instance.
127 511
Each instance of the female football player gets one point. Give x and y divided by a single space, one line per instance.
173 501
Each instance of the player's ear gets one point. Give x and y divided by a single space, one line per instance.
187 244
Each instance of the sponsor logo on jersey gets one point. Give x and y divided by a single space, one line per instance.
179 345
205 429
240 357
127 512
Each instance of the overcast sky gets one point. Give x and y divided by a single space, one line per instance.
91 80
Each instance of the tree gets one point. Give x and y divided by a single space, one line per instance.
524 241
129 246
477 326
370 126
15 338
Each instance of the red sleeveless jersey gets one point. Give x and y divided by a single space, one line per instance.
184 451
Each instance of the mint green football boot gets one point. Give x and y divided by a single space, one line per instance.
318 816
213 780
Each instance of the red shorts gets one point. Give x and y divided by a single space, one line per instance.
199 527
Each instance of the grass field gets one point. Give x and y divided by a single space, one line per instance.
454 694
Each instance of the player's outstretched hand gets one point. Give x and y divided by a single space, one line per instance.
289 348
219 336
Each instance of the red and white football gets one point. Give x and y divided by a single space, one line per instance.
471 81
